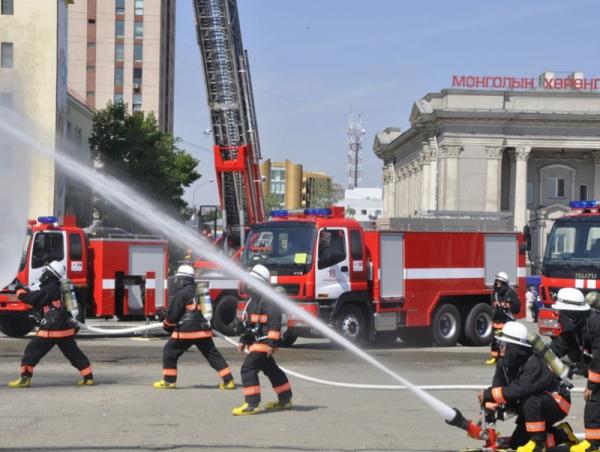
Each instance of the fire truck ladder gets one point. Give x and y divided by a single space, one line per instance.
233 119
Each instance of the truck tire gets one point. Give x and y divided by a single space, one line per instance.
16 326
288 339
446 325
350 323
225 314
478 325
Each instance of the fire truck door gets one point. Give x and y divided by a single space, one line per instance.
143 259
333 264
47 246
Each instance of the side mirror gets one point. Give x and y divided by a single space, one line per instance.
527 237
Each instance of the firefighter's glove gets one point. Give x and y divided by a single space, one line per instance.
20 292
238 327
247 337
241 347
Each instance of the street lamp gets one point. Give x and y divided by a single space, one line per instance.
210 181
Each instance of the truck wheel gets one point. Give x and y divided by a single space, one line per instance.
351 323
16 326
478 325
446 325
288 339
224 315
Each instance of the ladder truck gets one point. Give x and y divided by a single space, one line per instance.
236 142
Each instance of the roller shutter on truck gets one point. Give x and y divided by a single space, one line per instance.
391 265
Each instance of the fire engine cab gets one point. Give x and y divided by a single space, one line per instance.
111 273
571 259
425 285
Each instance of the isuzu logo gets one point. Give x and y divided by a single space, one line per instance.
586 276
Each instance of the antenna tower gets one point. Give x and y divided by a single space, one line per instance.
356 134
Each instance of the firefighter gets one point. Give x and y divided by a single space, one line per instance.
57 328
262 334
523 383
505 303
187 325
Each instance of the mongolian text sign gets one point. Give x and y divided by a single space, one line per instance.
569 83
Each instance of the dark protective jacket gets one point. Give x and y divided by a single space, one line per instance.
184 316
57 321
533 377
593 329
574 342
505 304
262 324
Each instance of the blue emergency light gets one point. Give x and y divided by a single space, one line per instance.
47 220
318 212
590 204
279 213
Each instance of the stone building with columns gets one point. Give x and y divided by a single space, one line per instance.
520 153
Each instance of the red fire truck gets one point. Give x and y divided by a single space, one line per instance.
110 272
432 285
571 259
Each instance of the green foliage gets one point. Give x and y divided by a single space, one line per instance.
272 202
350 212
133 148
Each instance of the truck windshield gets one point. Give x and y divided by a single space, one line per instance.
25 250
573 243
47 247
284 249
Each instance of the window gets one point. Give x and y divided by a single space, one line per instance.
118 76
137 76
90 93
332 248
118 97
356 245
25 250
138 52
7 8
119 52
90 68
6 100
583 192
530 193
139 7
119 29
363 211
91 45
6 55
91 21
120 7
137 102
47 247
138 30
556 187
75 247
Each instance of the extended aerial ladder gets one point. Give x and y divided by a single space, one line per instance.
233 118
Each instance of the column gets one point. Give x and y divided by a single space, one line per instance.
398 201
596 156
450 155
433 175
425 184
417 197
406 191
520 212
493 177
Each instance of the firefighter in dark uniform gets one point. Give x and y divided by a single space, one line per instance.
523 383
189 327
57 328
505 304
262 335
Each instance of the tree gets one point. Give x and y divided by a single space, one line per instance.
271 202
133 148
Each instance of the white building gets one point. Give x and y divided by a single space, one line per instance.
525 152
363 204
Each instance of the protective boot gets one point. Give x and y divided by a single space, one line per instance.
491 361
564 434
21 382
586 446
278 406
229 385
162 384
533 446
245 410
86 382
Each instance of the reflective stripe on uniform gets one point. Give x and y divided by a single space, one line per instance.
282 388
191 335
274 335
498 395
592 433
550 440
593 376
192 307
170 372
533 427
258 347
251 390
563 404
256 318
56 334
86 371
224 372
25 369
497 325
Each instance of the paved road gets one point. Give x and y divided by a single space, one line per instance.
123 412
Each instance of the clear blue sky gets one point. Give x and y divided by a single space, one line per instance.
314 62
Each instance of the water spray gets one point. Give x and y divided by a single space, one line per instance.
135 205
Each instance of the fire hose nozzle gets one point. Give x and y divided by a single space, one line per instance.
458 420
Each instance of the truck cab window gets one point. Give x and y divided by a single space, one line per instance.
47 247
75 247
332 248
25 250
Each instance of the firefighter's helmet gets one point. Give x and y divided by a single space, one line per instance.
185 271
261 272
515 333
57 269
502 277
570 299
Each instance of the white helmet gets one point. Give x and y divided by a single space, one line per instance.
57 268
570 299
261 272
502 277
185 271
515 333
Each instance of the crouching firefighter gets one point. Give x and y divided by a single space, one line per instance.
262 334
188 327
505 304
57 327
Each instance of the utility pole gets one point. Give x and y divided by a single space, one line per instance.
356 135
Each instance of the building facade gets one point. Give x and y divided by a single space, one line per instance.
124 50
317 189
363 204
33 82
525 153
